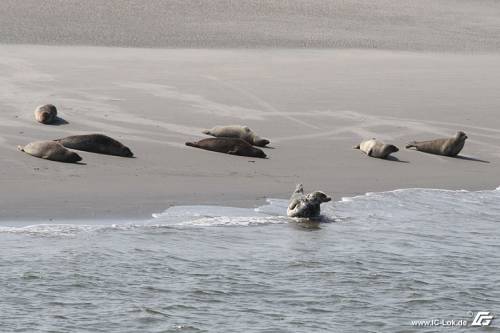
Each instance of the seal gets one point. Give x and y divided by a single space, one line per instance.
46 114
50 150
96 143
237 131
376 148
305 205
446 146
228 146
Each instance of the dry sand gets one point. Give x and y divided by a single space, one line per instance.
443 25
314 105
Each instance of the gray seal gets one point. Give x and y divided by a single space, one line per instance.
376 148
50 150
96 143
237 131
228 146
46 114
306 205
446 146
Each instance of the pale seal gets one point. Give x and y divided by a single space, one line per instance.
46 114
237 131
50 150
447 146
376 148
228 146
306 205
96 143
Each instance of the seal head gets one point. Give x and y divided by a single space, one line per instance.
46 114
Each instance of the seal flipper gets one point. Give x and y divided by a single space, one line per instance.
411 145
356 147
20 148
191 144
234 151
293 204
299 189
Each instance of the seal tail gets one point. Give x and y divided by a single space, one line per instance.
191 144
299 188
411 145
207 132
356 147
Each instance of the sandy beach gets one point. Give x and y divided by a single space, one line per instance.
424 25
315 77
314 105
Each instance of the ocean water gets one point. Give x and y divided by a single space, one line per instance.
374 263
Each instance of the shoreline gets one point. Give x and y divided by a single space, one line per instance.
133 216
314 105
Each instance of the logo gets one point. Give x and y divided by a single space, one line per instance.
483 318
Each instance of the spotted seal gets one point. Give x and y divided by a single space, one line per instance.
306 205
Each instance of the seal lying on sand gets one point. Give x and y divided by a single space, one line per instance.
229 146
96 143
50 150
447 147
305 205
237 131
375 148
46 114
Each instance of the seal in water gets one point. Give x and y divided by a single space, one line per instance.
237 131
376 148
50 150
306 205
228 146
446 147
46 114
96 143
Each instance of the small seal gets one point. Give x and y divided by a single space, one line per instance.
446 147
375 148
306 205
237 131
46 114
96 143
231 146
50 150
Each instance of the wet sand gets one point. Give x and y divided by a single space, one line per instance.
314 106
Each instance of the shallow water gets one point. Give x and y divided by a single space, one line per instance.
375 263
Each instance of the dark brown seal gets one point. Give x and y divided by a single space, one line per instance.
228 146
96 143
